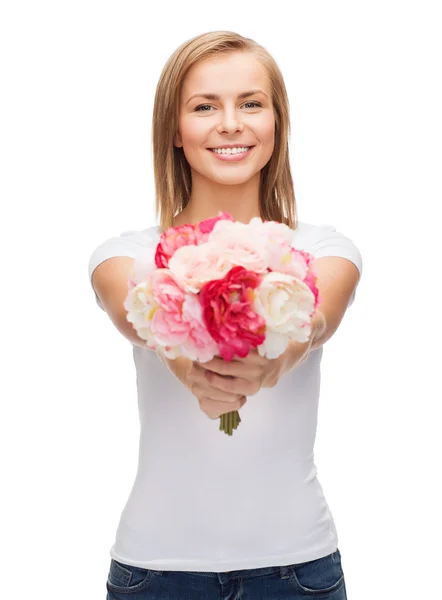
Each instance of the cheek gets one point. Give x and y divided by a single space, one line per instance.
267 139
268 131
193 133
268 146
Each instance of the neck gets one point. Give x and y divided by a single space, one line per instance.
208 198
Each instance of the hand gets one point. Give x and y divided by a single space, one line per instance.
244 376
249 374
213 402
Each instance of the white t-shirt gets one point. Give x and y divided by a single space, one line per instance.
206 501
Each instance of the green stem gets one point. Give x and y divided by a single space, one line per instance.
229 422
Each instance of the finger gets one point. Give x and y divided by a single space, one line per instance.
253 358
201 375
203 389
215 409
235 385
218 395
203 368
232 368
217 365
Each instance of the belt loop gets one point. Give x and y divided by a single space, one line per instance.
284 572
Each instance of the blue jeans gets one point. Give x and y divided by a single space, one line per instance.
322 579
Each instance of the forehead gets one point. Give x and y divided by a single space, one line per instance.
228 74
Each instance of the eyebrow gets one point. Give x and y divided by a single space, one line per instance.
216 97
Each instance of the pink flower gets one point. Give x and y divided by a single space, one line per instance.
238 243
141 305
199 344
169 319
194 266
172 239
274 231
228 314
300 265
310 279
283 258
207 225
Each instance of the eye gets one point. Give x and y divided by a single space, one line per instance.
254 103
197 109
202 106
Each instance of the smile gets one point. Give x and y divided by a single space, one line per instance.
231 154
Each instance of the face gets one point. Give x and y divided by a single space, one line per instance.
226 118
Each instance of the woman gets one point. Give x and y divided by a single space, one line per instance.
209 515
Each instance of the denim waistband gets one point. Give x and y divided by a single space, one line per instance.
225 577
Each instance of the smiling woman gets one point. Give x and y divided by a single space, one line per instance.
212 515
225 124
219 90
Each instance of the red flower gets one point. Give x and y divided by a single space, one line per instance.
172 239
228 314
207 225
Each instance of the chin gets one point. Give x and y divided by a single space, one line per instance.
233 180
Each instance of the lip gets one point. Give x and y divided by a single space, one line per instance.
232 157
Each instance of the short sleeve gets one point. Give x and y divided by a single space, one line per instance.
326 241
128 243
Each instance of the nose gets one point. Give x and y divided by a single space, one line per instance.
229 122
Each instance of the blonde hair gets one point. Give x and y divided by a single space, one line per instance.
172 174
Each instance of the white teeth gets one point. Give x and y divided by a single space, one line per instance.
230 150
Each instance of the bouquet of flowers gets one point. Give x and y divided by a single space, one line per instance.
220 288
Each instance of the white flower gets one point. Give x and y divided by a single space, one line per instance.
287 304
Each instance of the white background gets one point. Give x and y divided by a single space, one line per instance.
78 82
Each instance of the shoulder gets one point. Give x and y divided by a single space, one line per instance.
326 240
143 237
128 243
310 232
132 238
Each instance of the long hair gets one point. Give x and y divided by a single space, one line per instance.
172 174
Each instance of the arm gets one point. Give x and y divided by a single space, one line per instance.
109 280
179 367
337 279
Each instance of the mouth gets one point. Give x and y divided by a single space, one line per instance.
231 151
231 157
